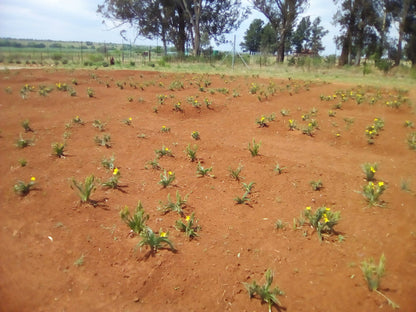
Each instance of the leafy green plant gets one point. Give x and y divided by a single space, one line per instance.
248 187
373 191
195 135
373 273
278 169
154 163
411 140
262 122
190 226
113 181
242 200
177 205
22 162
105 140
90 92
26 126
191 152
279 225
266 294
322 220
292 125
58 149
254 147
165 129
409 124
177 107
21 188
77 120
164 151
284 112
137 221
166 178
235 173
201 171
127 121
108 163
22 143
99 125
369 170
84 189
80 261
155 241
316 185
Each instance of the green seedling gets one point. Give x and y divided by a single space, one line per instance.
166 178
137 221
190 226
177 205
254 147
155 241
21 188
85 189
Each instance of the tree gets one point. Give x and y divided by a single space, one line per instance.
361 23
301 36
410 33
317 33
282 15
268 39
252 36
176 21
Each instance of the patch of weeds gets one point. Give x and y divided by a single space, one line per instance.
322 220
405 185
265 293
77 120
99 125
195 135
90 92
292 125
254 147
22 162
242 200
190 227
127 121
22 143
409 124
105 140
284 112
166 178
373 273
21 188
411 140
165 129
280 225
177 107
164 151
137 221
153 163
84 189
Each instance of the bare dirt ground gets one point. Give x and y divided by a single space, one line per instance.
57 254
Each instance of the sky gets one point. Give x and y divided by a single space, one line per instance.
78 20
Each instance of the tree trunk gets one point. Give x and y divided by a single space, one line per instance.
281 48
405 10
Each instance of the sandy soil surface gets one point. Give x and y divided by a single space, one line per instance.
58 254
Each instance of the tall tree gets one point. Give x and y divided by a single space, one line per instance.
301 37
282 15
269 39
317 34
252 36
410 33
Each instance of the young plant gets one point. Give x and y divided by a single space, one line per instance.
191 152
178 107
99 125
235 173
113 181
369 170
105 140
84 189
409 124
322 220
279 225
127 121
411 140
316 185
77 120
21 188
190 226
242 200
309 129
164 151
247 187
22 143
278 169
372 192
201 171
254 147
26 126
266 294
90 92
292 125
177 206
154 163
108 163
262 122
284 112
58 149
195 135
137 221
373 273
22 162
165 129
155 241
166 178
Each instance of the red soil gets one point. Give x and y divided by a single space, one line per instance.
46 231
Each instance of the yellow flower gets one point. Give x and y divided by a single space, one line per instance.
163 234
163 127
33 179
381 183
308 208
166 149
187 218
262 118
326 220
375 119
130 118
338 135
371 183
170 173
372 170
327 209
115 172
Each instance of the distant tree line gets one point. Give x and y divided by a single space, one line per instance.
364 26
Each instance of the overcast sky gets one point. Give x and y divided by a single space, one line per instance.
77 20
